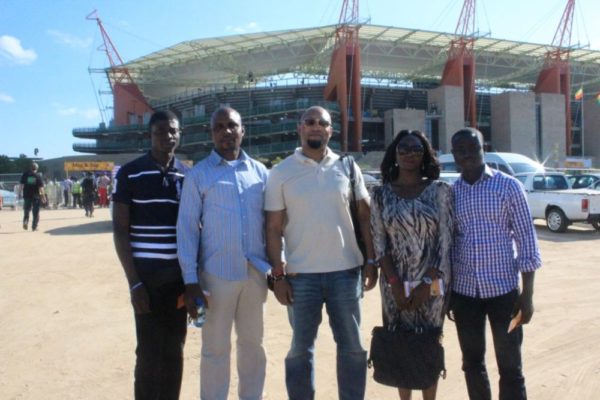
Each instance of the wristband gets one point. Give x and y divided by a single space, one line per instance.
371 261
137 285
392 279
277 273
427 280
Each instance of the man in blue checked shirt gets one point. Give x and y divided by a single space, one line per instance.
495 242
222 209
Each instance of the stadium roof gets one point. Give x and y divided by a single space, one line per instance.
386 53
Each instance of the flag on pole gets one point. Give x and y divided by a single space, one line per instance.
579 94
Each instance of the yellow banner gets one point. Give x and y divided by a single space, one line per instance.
89 165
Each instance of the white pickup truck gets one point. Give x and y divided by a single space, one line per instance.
551 199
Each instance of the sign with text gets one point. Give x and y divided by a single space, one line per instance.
89 165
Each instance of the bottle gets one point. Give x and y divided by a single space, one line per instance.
199 321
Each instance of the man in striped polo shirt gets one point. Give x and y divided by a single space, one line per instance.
146 203
495 242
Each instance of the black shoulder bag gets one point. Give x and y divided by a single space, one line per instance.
348 164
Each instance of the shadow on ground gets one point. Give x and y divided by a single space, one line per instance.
575 233
83 229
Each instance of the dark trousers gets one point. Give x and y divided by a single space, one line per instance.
33 206
470 318
88 204
66 196
160 340
76 200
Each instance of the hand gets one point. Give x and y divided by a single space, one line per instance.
192 292
399 297
140 300
283 292
418 296
524 303
371 275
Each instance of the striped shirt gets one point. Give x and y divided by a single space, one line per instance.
153 199
495 236
220 228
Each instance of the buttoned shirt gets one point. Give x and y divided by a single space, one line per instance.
220 228
495 237
319 235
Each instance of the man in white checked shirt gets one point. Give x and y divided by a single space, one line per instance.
146 202
222 209
492 220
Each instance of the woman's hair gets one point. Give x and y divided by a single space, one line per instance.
430 168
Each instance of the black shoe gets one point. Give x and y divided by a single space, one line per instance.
25 225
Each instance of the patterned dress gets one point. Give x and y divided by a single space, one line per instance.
417 233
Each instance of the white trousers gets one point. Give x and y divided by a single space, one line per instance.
241 302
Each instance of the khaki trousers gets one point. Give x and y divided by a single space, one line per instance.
242 303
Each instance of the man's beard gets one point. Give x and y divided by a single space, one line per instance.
314 144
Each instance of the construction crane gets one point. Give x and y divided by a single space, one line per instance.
129 103
459 69
343 82
555 76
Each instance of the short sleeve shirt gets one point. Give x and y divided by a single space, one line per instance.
32 182
319 235
153 197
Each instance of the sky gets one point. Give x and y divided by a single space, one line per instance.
48 47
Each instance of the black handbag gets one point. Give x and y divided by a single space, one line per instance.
407 359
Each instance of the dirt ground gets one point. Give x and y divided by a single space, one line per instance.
67 328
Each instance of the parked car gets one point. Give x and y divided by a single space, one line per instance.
449 177
370 181
9 199
509 163
550 198
583 180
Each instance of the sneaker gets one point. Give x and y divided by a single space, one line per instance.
25 225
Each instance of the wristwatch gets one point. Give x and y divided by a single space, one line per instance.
427 280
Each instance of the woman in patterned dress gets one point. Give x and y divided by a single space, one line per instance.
412 227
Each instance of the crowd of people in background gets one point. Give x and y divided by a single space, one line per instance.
75 191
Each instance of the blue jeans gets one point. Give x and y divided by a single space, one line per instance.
470 315
340 291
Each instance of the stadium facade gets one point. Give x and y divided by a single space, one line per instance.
271 77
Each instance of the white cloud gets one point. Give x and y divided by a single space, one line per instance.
86 113
11 49
90 113
5 98
70 40
249 27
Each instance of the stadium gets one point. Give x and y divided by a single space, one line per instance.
400 81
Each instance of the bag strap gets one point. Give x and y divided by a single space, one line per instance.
348 164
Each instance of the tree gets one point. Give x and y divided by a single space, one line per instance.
22 163
6 165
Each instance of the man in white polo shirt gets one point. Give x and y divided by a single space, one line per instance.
307 204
